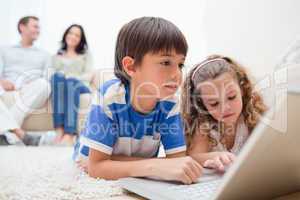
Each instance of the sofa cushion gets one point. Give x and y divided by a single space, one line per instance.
41 119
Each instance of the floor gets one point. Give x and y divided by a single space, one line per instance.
36 173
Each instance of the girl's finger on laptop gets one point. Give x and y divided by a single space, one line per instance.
209 164
225 159
218 163
232 157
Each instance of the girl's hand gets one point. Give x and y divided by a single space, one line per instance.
184 169
219 161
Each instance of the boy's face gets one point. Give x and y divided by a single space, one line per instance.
159 75
222 98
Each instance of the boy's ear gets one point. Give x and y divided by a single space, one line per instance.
128 65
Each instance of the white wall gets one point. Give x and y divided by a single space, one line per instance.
255 32
10 13
102 21
4 16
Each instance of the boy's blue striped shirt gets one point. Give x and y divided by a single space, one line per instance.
114 127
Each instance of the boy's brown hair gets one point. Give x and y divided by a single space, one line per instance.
146 35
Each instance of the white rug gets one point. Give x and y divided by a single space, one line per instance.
41 173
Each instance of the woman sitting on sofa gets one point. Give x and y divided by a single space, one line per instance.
72 77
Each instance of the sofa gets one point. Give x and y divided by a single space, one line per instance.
41 120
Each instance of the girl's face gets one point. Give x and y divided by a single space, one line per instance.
222 98
73 37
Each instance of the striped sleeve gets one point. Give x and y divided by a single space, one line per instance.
99 132
172 133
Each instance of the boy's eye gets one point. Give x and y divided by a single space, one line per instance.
232 97
181 65
166 63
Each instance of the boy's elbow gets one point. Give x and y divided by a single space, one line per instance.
95 173
104 176
92 173
100 172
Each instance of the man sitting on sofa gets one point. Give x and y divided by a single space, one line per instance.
22 71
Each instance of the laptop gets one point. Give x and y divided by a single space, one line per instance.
267 167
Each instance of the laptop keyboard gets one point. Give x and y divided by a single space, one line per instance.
202 190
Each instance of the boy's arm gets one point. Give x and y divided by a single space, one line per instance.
101 165
176 155
130 158
125 158
183 169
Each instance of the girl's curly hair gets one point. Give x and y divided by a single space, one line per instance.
195 114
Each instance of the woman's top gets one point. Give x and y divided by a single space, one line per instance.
79 67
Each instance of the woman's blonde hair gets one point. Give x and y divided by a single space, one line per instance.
195 114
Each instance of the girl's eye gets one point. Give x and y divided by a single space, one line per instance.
232 97
166 63
214 104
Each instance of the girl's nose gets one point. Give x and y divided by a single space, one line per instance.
226 107
223 106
